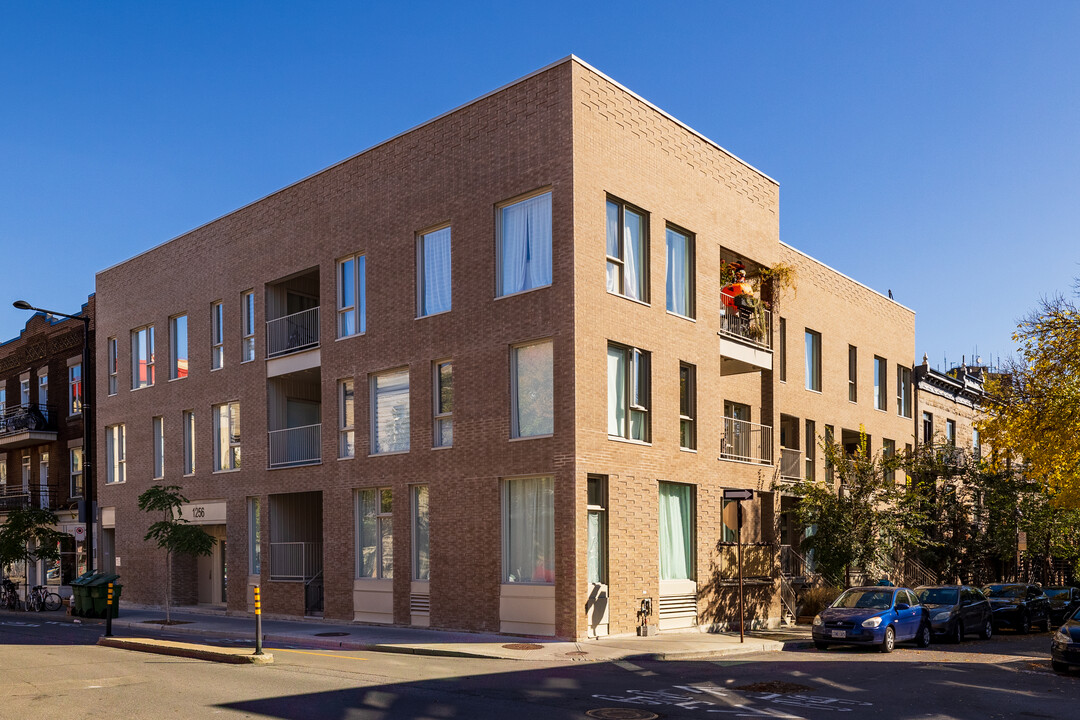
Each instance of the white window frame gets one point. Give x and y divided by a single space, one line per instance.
500 211
75 389
950 432
422 271
159 447
115 454
347 427
75 472
111 346
357 305
247 341
43 391
145 345
175 347
189 442
226 438
375 396
379 518
217 335
442 418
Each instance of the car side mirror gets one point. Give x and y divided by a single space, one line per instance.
902 606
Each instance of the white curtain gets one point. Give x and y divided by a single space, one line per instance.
678 273
634 251
436 292
526 245
675 532
616 404
593 548
613 247
531 530
391 426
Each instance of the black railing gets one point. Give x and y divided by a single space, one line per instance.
32 496
26 418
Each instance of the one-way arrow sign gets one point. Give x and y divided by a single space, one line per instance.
738 494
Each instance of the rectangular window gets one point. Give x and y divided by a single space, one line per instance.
976 444
927 427
811 449
783 350
254 537
628 393
597 540
433 272
421 534
627 251
75 465
352 296
346 419
687 406
43 392
375 533
247 342
159 448
189 442
852 373
24 392
813 360
524 245
227 437
3 472
3 399
880 383
115 454
75 389
680 272
26 470
142 357
677 523
217 336
529 530
532 397
888 451
113 384
444 404
390 412
903 391
950 432
829 440
178 347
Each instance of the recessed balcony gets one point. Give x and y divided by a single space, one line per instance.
747 442
745 338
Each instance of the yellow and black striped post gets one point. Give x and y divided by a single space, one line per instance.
258 623
108 612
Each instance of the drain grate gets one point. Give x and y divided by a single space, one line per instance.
523 646
331 634
621 714
774 686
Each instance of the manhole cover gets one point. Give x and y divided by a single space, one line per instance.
576 653
330 634
774 686
621 714
523 646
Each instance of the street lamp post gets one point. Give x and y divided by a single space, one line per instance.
88 439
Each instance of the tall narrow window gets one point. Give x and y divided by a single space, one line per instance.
829 440
75 465
524 245
976 444
390 412
597 540
3 399
217 336
532 379
347 420
888 451
3 472
627 251
628 393
247 342
687 406
115 454
852 373
676 531
43 392
433 272
903 391
880 383
811 449
352 296
529 530
927 427
813 360
950 432
680 272
159 448
142 357
189 442
421 533
254 537
444 404
783 350
113 384
178 347
375 534
227 437
75 389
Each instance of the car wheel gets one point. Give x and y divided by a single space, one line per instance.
988 630
923 638
889 641
958 633
821 645
1025 624
1059 666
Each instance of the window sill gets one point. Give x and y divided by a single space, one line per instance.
384 454
115 482
629 441
816 392
225 472
143 387
523 292
682 317
172 380
428 315
633 300
217 368
245 362
190 474
442 447
347 457
688 450
349 337
530 437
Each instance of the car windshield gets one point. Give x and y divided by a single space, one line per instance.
869 599
1058 596
938 596
1005 591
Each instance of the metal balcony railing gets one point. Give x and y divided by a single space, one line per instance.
295 560
752 324
790 464
27 418
296 446
745 441
292 333
32 496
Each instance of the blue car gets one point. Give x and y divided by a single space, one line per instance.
877 616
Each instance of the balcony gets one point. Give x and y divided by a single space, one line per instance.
745 339
292 447
748 442
32 496
25 425
292 333
791 464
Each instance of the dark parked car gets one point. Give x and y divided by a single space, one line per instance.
1063 602
881 616
1018 605
956 610
1065 647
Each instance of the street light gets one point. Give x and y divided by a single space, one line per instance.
88 448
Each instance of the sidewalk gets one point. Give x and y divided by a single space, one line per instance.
686 645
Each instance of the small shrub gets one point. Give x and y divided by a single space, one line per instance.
814 600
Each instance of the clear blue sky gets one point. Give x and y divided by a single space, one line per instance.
925 147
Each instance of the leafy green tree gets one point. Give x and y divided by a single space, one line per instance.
173 533
29 535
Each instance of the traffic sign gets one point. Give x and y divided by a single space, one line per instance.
80 532
738 494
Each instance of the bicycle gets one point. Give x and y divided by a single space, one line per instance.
9 594
41 599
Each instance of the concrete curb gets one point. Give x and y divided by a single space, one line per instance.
186 650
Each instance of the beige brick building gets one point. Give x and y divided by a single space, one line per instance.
485 377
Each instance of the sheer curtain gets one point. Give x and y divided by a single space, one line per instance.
391 426
613 247
616 360
526 245
678 273
530 526
436 256
634 251
535 391
675 532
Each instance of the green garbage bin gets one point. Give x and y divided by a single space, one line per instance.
98 588
80 597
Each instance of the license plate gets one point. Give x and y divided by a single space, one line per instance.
839 634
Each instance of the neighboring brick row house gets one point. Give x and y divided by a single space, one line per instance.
484 375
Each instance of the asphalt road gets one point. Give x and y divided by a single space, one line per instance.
52 669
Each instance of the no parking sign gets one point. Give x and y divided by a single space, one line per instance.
80 532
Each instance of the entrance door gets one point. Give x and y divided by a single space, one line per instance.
211 569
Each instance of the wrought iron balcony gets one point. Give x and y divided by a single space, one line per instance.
292 333
296 446
25 425
13 497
